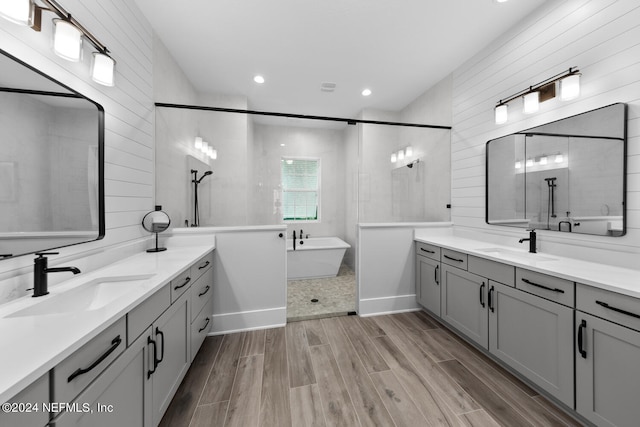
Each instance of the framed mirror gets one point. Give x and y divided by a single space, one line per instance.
567 176
51 162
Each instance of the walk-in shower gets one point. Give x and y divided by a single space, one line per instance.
196 181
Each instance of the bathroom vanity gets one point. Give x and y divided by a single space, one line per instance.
541 315
111 360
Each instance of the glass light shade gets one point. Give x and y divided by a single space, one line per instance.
103 69
366 92
408 151
198 143
67 40
529 163
18 11
394 157
518 165
559 158
543 160
570 87
214 154
401 155
205 147
531 102
502 114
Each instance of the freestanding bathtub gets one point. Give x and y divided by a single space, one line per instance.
316 257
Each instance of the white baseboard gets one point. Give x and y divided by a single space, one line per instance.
387 305
228 323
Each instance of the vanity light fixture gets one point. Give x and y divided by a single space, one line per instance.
408 151
67 37
401 155
198 143
529 163
559 158
394 157
543 91
543 160
518 165
205 147
213 154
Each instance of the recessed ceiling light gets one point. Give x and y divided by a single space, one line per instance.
258 79
366 92
501 1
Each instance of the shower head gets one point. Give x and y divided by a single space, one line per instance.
207 173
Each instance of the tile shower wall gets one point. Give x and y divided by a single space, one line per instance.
129 111
601 38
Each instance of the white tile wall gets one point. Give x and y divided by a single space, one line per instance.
601 38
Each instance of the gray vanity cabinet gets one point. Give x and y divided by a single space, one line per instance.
428 277
25 415
533 336
121 396
607 357
464 303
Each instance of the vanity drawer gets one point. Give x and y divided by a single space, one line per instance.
618 308
201 292
200 328
36 393
457 259
180 284
427 250
552 288
201 266
77 371
493 270
139 319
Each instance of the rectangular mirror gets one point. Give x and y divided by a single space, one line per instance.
51 163
568 175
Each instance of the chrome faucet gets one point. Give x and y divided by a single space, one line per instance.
40 271
531 239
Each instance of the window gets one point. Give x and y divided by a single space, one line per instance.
300 189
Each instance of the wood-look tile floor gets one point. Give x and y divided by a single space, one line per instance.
394 370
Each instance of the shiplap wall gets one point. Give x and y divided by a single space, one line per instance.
129 110
602 38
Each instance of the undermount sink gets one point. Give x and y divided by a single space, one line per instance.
92 295
513 254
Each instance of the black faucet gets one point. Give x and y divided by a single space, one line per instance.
40 270
564 222
294 240
531 240
301 234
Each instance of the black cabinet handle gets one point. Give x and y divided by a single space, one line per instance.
204 265
427 251
491 299
205 325
529 282
482 295
204 292
159 332
435 275
453 259
581 328
114 344
619 310
188 279
155 364
280 235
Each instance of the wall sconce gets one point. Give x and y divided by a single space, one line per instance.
543 91
67 36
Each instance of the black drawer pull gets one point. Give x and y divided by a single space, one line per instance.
529 282
114 344
205 325
204 292
155 364
619 310
491 307
205 265
187 280
427 251
159 332
453 259
435 275
583 325
482 295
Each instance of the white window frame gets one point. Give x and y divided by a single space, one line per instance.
319 191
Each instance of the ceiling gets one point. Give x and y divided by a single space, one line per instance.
398 49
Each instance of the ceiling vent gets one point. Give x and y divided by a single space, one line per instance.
327 87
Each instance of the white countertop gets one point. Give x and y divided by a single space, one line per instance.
32 345
622 280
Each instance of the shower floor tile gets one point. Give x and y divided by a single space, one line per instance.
336 296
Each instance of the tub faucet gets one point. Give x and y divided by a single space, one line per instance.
294 240
40 270
531 239
564 222
301 234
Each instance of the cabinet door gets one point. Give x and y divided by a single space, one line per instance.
171 333
428 284
607 374
120 396
464 303
535 337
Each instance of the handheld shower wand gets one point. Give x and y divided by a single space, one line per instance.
196 181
